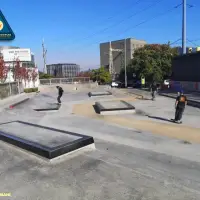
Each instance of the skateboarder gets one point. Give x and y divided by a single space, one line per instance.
153 90
60 93
181 102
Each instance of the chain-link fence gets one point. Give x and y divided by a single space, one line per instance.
75 80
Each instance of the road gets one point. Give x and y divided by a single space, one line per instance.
194 96
128 163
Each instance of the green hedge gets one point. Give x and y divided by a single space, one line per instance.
29 90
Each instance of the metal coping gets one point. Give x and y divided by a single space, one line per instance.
47 109
102 94
19 102
100 108
45 151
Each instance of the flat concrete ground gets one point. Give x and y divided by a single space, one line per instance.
128 163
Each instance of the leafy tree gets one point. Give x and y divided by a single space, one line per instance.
34 75
101 75
152 62
3 71
26 76
44 76
17 72
84 74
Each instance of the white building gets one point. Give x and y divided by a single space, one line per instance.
26 58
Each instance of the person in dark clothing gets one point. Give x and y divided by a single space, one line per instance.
153 90
181 102
60 93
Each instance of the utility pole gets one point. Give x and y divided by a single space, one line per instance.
184 4
44 50
111 70
125 63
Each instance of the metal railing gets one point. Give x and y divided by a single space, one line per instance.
75 80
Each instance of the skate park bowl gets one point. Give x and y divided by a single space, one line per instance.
113 107
42 141
97 94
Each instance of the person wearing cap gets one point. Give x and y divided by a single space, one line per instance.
181 102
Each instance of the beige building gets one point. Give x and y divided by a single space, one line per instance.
118 57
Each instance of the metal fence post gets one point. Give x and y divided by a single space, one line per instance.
18 87
49 81
10 88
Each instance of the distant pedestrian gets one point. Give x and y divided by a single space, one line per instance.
154 88
181 102
60 93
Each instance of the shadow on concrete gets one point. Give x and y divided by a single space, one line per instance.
160 118
144 98
140 112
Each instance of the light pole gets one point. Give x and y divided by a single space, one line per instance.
44 57
125 73
184 27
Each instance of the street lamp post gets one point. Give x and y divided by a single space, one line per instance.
184 27
125 72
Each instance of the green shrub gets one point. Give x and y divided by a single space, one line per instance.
29 90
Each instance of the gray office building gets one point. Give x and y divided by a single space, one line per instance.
64 70
118 57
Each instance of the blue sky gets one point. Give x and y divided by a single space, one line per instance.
68 26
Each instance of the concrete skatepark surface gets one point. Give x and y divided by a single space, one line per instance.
129 162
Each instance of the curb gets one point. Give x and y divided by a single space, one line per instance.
190 102
18 103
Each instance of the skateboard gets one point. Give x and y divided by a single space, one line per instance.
172 120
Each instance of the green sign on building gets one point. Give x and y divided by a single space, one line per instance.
6 32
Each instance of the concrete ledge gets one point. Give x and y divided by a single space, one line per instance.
91 94
18 103
42 150
192 103
126 108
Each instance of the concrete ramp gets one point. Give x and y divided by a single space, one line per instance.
114 107
44 141
96 94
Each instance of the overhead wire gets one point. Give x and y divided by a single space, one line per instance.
190 41
123 20
175 42
143 22
109 18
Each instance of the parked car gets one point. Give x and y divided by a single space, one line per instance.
114 84
166 84
137 84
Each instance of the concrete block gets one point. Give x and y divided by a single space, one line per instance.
46 142
91 94
18 103
114 107
49 107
